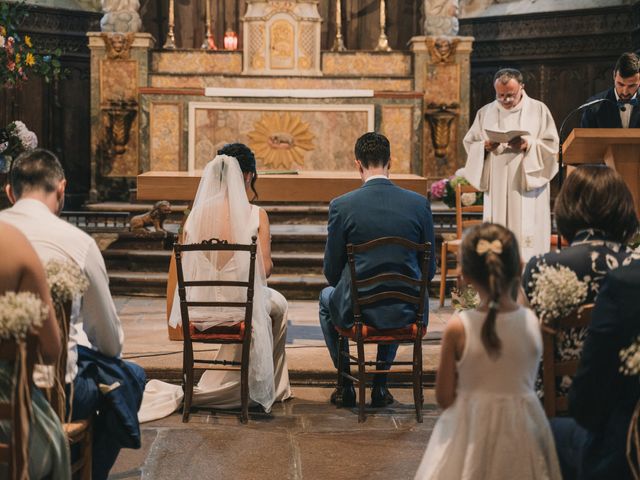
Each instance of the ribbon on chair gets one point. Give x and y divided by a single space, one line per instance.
633 443
21 414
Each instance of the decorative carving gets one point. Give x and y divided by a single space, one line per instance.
441 17
118 45
117 118
281 38
281 140
442 49
153 218
440 119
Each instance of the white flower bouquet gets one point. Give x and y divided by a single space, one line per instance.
556 292
66 280
14 140
19 313
464 299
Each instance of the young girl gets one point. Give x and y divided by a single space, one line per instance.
493 426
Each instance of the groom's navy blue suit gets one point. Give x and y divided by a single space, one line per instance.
377 209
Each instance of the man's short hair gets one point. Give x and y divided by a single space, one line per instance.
506 74
37 169
627 65
372 150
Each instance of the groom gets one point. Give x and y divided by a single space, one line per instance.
377 209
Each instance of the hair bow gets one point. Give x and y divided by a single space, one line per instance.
485 246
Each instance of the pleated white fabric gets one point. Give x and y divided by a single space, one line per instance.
496 428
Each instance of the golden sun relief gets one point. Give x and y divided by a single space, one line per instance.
281 140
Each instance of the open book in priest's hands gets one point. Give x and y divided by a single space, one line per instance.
496 136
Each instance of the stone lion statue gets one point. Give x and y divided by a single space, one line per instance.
154 217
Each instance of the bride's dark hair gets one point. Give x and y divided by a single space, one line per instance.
246 160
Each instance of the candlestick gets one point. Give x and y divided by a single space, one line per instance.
383 42
208 43
338 44
170 43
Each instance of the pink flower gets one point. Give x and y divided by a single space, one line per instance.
11 66
438 189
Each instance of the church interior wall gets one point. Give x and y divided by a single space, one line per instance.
566 56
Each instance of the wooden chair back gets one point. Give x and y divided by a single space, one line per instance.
461 221
21 354
238 333
382 279
552 368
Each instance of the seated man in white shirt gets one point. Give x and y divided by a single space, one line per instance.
36 188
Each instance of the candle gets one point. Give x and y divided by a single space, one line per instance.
171 14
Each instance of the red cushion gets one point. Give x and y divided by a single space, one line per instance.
372 334
232 332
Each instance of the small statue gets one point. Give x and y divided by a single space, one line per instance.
120 16
441 18
154 217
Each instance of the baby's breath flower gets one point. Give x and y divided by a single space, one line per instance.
630 357
20 312
556 292
66 280
465 299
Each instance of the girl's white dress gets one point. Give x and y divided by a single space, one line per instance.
496 428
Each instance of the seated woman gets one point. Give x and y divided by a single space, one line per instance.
19 272
222 210
594 212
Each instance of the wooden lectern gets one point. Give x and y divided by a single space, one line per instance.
619 148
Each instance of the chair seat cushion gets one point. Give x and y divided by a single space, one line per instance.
372 334
227 332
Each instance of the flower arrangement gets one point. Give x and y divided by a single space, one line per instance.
556 292
65 280
464 299
20 312
14 140
18 56
445 190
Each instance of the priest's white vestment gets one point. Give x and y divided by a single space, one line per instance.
516 183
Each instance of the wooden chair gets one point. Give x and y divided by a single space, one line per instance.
237 333
555 404
17 410
364 334
452 246
78 432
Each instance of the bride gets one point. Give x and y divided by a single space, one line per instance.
222 210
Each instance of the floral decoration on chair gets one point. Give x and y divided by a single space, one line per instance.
445 190
15 139
18 55
556 292
65 280
465 298
20 313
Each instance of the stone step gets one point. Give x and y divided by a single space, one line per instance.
298 287
158 261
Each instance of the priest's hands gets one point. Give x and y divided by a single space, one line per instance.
490 146
518 144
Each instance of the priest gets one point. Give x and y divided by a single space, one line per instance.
514 175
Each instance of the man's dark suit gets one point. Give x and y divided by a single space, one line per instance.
377 209
601 398
607 114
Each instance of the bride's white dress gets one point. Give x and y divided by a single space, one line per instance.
221 210
496 428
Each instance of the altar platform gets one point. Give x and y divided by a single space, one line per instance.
305 186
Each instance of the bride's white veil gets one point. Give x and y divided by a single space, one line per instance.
222 210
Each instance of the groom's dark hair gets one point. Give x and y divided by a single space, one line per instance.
372 150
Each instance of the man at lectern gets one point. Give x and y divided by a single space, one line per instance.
622 109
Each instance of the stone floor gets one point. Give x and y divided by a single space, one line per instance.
304 438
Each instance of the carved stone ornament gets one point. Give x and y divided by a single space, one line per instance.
118 45
120 16
117 118
440 118
442 49
441 17
153 218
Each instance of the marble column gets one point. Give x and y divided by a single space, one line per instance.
119 66
442 73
